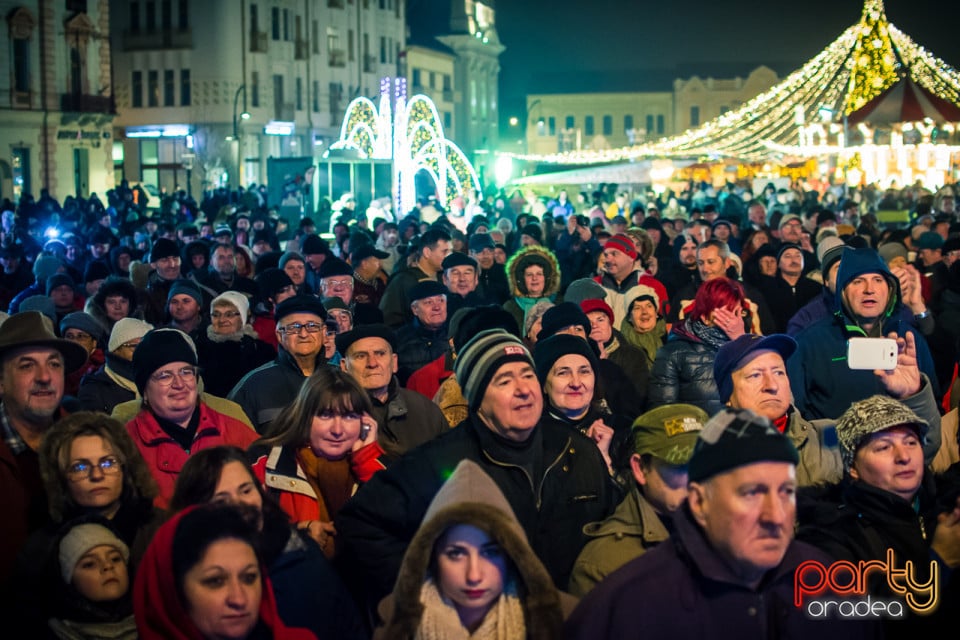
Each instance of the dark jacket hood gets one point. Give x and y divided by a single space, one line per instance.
855 263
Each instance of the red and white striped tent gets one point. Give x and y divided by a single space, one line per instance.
905 101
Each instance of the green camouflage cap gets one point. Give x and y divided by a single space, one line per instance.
668 432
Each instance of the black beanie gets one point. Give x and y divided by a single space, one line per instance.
734 438
59 280
271 281
560 316
164 248
160 347
533 230
95 270
547 351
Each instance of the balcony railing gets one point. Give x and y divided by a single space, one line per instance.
21 99
258 42
80 103
161 39
338 58
301 50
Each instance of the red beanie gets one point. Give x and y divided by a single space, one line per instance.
595 304
622 243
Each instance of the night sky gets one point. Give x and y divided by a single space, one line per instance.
553 45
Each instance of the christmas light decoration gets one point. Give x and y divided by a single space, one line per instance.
411 135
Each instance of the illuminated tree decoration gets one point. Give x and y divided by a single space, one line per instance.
875 65
410 134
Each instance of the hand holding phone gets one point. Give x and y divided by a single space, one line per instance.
872 354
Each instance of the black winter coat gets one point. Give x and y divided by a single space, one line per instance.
683 372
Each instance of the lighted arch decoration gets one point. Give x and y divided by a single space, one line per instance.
410 134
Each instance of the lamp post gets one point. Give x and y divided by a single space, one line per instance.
244 115
540 122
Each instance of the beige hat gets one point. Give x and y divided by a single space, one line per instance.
125 330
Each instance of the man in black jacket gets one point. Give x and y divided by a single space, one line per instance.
554 478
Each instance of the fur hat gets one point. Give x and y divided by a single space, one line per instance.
164 248
734 438
127 329
480 358
81 539
236 299
160 347
271 281
870 416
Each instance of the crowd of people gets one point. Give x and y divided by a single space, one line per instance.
624 415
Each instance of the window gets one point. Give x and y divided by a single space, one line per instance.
627 123
694 116
168 88
278 94
21 171
383 50
136 89
315 34
254 19
649 124
588 125
723 109
447 120
134 17
552 125
316 96
275 23
351 55
447 82
569 121
286 25
151 17
417 82
433 80
185 87
660 124
153 88
21 65
299 90
183 14
166 14
608 125
255 88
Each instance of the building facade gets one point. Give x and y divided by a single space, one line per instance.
208 91
56 99
574 121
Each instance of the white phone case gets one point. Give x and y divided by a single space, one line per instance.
872 353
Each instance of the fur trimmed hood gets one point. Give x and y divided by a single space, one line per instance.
471 497
533 254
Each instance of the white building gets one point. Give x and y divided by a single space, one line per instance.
56 99
208 91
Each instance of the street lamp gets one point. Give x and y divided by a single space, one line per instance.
245 115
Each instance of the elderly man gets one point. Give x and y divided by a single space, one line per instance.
659 447
621 276
34 362
434 245
492 275
369 280
868 303
751 374
223 274
554 478
405 419
460 277
424 338
266 390
165 261
727 569
792 232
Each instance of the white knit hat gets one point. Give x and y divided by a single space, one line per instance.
234 298
80 540
125 330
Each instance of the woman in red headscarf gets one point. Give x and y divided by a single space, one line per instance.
201 578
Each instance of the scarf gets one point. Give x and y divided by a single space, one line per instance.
713 337
440 620
331 481
121 372
125 629
648 342
526 303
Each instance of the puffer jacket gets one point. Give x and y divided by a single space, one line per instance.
683 372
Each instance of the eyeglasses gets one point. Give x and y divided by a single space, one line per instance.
165 378
297 327
80 470
339 283
230 315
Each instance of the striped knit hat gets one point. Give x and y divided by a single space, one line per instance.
480 358
623 243
866 417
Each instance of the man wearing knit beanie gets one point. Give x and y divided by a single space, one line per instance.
165 262
185 305
552 475
732 538
622 274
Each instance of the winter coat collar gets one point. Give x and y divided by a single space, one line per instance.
633 517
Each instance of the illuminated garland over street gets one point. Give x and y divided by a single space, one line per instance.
866 59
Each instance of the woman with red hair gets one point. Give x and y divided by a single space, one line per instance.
683 369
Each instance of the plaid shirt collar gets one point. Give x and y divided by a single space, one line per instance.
10 435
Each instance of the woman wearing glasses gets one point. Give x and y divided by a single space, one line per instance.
91 469
230 347
173 421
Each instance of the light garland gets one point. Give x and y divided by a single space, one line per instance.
865 60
